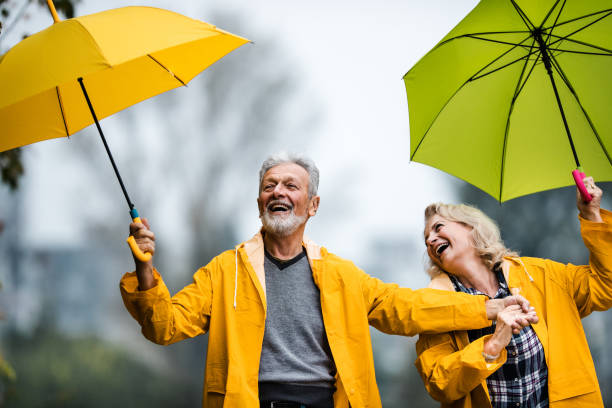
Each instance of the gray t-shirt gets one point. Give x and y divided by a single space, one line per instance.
295 348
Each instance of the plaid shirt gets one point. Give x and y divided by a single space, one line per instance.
523 379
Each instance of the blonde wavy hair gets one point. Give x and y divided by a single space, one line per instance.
486 237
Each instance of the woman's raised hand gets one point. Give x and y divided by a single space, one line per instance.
590 211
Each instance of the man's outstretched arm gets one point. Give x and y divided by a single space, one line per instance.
407 312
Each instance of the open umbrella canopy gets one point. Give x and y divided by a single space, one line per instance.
124 56
62 79
483 107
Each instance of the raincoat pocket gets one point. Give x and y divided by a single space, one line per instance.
571 385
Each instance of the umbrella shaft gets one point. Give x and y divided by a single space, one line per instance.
548 66
93 113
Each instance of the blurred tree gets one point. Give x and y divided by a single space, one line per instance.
7 372
11 166
59 371
242 108
183 156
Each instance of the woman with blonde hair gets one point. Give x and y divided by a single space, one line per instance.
547 363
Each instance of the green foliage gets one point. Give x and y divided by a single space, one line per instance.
7 373
3 12
11 167
58 371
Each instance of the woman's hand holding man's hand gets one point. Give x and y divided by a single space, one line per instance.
510 320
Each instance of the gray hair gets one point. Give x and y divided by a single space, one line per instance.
486 237
305 162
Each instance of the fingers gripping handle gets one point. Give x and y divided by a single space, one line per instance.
578 176
141 256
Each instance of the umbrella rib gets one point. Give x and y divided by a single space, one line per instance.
61 106
495 41
567 83
556 19
455 93
535 62
496 59
519 87
482 33
521 13
605 54
550 12
579 18
171 73
579 42
505 66
566 37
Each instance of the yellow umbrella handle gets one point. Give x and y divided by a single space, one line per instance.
141 256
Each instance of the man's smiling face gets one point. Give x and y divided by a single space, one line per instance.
283 199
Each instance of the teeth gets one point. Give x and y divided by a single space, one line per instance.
441 248
279 207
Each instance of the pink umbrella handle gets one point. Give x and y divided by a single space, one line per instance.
578 176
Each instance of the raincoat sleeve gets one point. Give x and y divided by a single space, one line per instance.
590 285
450 374
164 319
407 312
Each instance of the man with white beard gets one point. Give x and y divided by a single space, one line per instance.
289 321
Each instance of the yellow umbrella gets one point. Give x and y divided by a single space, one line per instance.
51 81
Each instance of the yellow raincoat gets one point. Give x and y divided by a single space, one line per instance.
227 299
454 370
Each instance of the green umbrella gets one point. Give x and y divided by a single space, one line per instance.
515 95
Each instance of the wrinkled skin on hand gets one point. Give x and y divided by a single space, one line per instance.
590 211
510 320
145 238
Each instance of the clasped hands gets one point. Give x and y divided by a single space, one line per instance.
511 314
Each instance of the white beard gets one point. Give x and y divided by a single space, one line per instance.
282 225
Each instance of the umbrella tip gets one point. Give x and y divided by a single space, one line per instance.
51 6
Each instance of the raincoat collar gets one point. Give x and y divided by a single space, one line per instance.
443 282
253 255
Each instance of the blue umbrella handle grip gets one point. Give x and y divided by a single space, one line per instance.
578 176
141 256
